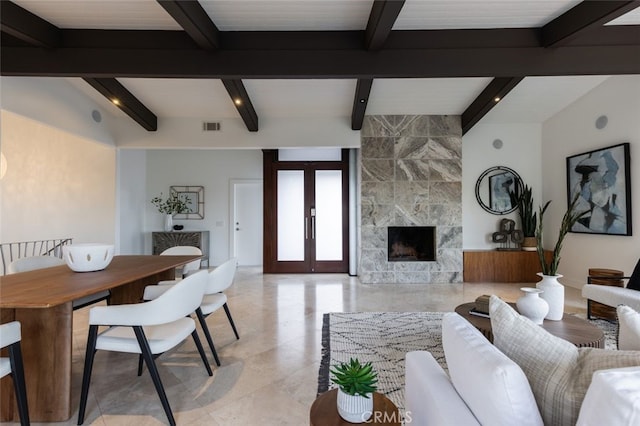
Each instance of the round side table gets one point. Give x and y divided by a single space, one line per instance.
324 411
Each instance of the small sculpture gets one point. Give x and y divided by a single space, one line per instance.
508 237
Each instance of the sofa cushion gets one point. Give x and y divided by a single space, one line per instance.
493 387
559 373
628 328
613 399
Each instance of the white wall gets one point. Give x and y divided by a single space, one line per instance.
521 151
132 200
573 131
212 169
57 184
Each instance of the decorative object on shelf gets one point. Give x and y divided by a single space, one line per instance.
528 218
508 237
192 195
493 188
356 384
553 289
601 180
531 305
178 227
170 207
87 257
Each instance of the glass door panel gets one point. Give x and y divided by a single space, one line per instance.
327 223
291 217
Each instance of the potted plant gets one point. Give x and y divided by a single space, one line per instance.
553 290
528 217
170 206
356 384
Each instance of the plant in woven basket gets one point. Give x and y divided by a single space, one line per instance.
354 378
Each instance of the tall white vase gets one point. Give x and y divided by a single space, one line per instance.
553 294
531 305
168 222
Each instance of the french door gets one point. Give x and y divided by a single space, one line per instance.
306 215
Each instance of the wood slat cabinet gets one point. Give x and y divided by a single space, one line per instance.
163 240
498 266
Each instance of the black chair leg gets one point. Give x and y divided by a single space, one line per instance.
226 309
153 371
140 361
17 373
88 367
196 339
205 329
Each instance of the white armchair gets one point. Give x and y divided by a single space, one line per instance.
10 337
149 329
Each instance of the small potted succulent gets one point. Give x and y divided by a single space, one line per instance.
169 207
356 384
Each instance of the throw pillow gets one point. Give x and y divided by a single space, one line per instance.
634 281
613 399
559 372
628 328
494 388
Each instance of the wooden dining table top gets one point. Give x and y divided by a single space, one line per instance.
44 288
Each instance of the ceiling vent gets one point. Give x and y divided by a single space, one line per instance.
211 126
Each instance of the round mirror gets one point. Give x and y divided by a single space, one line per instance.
495 189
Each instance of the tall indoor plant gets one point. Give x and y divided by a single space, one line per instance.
528 217
170 206
553 291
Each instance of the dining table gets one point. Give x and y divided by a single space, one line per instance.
42 301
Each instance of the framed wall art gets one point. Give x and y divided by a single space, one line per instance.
194 197
602 179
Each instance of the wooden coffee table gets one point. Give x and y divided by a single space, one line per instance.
324 411
576 330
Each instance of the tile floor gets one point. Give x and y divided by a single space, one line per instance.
269 376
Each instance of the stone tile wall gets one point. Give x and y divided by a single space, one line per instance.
411 174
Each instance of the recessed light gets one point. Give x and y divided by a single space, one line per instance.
496 99
238 101
115 101
362 101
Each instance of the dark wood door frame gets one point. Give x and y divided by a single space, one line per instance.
271 165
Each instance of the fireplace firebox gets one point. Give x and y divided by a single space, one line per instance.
411 243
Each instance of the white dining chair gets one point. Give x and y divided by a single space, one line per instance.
10 337
220 279
32 263
190 267
148 329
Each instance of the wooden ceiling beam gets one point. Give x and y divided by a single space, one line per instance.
584 18
490 96
381 19
361 98
190 15
117 94
242 102
25 26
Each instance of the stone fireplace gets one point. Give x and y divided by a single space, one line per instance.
411 176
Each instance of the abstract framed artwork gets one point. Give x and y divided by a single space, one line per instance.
194 197
602 179
500 186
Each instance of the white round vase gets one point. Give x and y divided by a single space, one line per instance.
355 408
531 305
168 223
553 294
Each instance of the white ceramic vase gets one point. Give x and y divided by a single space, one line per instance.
531 305
553 294
355 408
168 223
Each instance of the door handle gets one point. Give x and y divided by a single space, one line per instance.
306 228
313 227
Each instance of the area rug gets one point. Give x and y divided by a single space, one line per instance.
384 338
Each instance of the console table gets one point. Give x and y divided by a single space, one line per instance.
163 240
501 266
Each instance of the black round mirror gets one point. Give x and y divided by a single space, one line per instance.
497 189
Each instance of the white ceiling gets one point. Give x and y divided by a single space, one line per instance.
534 100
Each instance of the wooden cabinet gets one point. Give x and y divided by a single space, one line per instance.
163 240
498 266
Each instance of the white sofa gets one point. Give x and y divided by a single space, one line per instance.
484 387
614 296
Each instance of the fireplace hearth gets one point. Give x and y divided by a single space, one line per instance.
411 243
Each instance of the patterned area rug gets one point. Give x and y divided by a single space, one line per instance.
385 337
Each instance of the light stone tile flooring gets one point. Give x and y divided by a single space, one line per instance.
269 376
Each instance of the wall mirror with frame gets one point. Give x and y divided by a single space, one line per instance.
194 197
493 189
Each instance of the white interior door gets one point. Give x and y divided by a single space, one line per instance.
246 234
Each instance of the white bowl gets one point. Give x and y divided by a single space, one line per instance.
87 257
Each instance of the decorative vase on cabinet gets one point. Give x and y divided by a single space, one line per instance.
168 222
553 294
531 305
